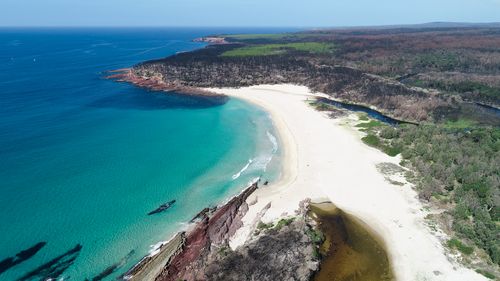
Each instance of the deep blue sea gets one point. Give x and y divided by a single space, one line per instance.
84 159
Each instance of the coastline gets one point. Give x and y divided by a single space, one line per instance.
325 158
156 83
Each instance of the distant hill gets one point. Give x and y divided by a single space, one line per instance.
425 25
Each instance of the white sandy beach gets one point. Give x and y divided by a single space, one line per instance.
325 157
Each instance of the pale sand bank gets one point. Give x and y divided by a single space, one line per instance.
326 158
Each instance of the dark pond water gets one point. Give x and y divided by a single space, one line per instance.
359 108
351 252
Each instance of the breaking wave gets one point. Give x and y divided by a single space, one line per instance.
238 174
273 140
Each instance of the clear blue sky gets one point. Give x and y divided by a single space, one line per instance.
308 13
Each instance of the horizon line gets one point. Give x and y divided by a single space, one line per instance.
249 26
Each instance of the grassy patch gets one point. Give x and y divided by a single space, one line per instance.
252 51
284 222
276 49
263 226
257 36
321 106
460 124
392 150
363 117
371 140
457 244
486 274
375 141
369 125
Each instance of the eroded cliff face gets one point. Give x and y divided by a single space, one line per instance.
286 250
212 231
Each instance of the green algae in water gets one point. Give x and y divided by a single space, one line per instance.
350 252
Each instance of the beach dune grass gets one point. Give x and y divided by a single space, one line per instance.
457 244
276 49
371 140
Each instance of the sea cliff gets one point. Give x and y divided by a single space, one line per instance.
203 252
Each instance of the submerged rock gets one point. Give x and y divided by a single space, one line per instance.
55 267
20 257
162 208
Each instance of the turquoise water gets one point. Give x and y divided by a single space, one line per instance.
83 159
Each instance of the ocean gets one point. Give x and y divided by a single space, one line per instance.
84 159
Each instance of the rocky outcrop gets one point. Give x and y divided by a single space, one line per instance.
211 40
212 231
281 253
150 266
183 256
155 82
285 250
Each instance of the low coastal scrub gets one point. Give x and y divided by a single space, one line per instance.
321 106
264 226
382 142
457 244
459 169
284 222
278 226
371 140
467 89
288 253
369 125
486 274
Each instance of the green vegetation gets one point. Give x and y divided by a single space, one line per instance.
263 226
363 117
279 225
460 124
371 140
375 141
457 167
380 139
250 51
276 49
467 88
321 106
392 150
486 274
274 36
316 236
284 222
440 60
223 251
457 244
369 125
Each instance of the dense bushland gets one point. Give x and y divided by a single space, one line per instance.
460 168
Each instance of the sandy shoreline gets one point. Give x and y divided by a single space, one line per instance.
325 158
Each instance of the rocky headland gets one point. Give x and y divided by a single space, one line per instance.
156 82
203 252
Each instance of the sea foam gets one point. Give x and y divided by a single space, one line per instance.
238 174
